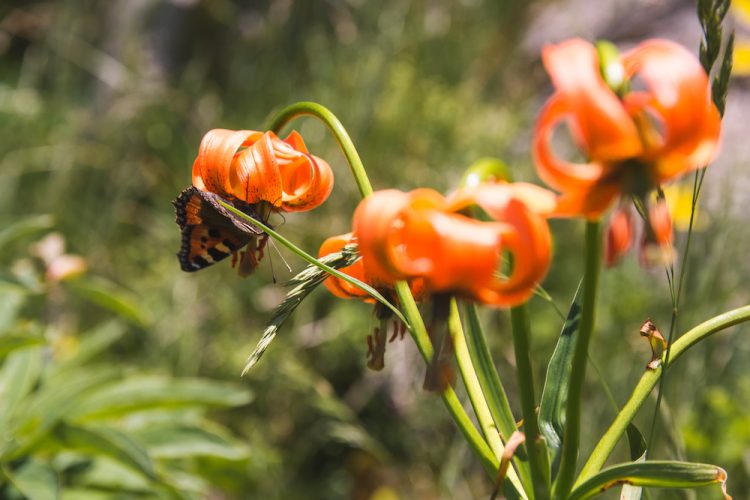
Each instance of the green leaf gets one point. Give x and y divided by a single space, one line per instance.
91 345
637 454
107 442
658 474
139 393
178 441
35 480
12 297
111 296
13 342
555 392
492 387
24 227
19 374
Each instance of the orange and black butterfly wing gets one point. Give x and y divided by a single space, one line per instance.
210 232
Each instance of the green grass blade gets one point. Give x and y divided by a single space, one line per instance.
655 474
303 284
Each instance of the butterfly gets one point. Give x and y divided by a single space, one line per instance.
211 233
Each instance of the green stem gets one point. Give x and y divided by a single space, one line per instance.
519 317
474 390
419 333
649 379
337 129
572 433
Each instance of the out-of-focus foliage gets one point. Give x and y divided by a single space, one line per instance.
102 107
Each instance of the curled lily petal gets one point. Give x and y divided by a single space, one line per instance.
216 154
598 120
661 222
619 236
558 173
679 95
255 175
307 183
375 220
337 286
530 245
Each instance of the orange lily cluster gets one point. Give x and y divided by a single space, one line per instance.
422 235
259 167
634 139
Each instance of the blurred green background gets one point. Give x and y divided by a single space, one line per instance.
122 380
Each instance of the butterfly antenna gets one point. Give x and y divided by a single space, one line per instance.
273 244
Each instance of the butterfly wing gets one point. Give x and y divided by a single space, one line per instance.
210 232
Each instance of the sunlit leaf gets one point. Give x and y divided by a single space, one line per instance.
108 442
555 392
143 393
656 474
12 342
20 371
178 441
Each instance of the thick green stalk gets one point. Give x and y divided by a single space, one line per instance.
572 433
519 317
474 390
337 129
649 379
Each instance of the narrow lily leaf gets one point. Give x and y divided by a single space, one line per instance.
303 284
108 442
34 480
555 392
655 474
492 387
637 454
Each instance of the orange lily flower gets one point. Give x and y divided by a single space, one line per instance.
259 166
421 234
633 142
376 342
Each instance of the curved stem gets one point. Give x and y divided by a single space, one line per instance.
649 379
337 129
519 317
578 371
